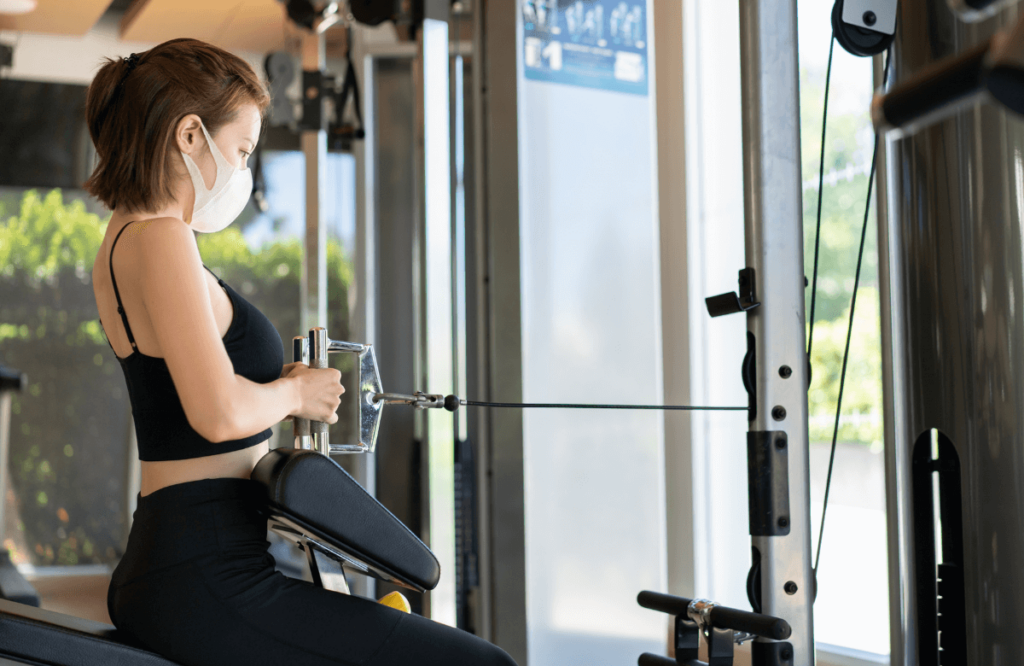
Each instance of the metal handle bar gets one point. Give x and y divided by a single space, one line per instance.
934 91
722 617
648 659
313 350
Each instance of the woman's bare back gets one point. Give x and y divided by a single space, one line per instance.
158 474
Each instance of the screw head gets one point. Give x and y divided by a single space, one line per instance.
790 588
870 18
780 443
786 654
779 413
785 372
783 521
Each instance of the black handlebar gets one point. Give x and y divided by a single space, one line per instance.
943 83
722 617
12 380
648 659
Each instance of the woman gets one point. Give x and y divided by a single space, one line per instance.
173 128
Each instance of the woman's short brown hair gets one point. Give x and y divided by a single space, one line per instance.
132 112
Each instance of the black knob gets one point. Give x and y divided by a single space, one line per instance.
451 402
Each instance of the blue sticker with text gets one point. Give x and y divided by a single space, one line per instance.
590 43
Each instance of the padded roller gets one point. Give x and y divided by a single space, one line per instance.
312 492
37 636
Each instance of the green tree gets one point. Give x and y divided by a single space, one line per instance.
848 148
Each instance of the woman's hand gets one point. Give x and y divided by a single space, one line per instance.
285 371
320 392
289 368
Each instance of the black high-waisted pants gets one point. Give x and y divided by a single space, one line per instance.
198 586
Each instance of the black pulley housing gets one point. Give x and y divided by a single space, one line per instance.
855 39
373 12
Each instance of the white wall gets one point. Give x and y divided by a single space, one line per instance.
75 59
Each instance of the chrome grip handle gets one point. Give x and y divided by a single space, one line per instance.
300 426
318 348
313 350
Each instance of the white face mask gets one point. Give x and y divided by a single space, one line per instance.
217 207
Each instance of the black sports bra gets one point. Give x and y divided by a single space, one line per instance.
161 427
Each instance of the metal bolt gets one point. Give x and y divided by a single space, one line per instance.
790 588
870 18
778 413
786 654
785 372
780 443
783 521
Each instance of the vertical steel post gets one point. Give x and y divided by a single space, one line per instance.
774 249
434 291
314 148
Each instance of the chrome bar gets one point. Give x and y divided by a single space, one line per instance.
774 249
300 426
318 348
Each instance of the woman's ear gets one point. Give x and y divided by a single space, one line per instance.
189 135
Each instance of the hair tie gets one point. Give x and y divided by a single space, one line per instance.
132 61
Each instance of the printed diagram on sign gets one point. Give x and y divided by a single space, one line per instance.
594 44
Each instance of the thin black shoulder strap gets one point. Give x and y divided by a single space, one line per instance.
213 274
120 307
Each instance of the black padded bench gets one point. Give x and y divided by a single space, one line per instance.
311 500
31 635
315 503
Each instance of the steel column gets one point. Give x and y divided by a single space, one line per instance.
314 261
774 248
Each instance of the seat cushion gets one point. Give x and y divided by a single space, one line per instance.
13 585
313 491
41 636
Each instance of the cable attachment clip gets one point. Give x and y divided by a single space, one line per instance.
419 400
730 303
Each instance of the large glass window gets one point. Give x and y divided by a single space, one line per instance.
69 429
855 527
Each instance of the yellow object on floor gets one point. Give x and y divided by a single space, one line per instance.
396 600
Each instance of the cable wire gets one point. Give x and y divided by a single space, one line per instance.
551 405
821 189
849 330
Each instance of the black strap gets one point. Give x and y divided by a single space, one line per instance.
117 294
213 274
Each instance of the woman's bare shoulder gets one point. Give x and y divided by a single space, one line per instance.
153 238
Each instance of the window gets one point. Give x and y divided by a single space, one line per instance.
853 570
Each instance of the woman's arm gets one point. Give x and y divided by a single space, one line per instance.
219 404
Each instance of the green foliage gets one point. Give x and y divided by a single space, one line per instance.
48 236
862 395
849 143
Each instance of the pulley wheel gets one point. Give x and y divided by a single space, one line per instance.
856 40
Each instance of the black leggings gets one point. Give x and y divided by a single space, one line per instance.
198 586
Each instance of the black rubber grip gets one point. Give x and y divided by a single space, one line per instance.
648 659
940 84
722 617
12 380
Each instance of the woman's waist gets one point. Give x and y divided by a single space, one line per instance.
159 474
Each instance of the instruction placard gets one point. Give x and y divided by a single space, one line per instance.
590 43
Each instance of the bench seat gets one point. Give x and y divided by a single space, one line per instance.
312 500
36 636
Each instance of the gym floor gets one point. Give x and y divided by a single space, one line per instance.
81 596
